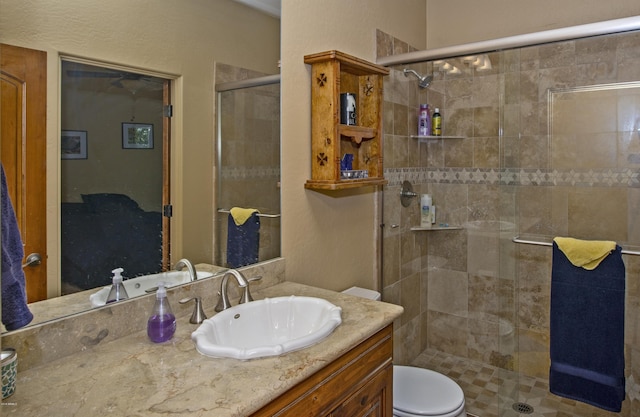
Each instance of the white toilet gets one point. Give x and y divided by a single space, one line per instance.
419 392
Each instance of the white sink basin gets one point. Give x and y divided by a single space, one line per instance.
139 285
268 327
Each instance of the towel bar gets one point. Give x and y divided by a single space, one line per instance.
517 239
259 214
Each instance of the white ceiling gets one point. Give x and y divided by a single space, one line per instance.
271 7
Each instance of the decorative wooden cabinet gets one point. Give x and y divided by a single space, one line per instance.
358 384
334 73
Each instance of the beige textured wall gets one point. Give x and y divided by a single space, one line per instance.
329 241
184 38
455 22
139 172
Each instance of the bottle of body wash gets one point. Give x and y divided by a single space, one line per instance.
436 123
162 323
425 210
424 120
117 292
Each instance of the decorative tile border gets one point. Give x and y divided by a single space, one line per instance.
625 177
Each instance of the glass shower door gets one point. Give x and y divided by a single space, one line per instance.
249 164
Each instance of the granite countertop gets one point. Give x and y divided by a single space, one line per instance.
133 376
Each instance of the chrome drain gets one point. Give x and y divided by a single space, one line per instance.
522 408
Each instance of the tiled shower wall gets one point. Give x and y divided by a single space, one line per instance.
249 172
471 292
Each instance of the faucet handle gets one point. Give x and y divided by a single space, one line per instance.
222 303
198 315
246 294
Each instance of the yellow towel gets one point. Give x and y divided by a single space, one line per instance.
585 253
241 215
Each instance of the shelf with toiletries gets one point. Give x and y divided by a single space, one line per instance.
435 228
434 138
346 122
428 221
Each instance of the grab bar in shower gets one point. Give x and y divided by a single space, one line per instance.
518 239
259 214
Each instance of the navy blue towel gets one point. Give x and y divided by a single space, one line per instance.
15 312
587 331
243 241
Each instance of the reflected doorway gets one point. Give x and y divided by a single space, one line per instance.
114 174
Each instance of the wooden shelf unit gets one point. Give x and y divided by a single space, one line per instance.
333 73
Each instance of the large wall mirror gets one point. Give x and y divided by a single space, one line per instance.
114 158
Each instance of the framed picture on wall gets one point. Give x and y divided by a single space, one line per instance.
137 136
73 144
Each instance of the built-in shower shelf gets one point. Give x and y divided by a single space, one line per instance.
429 138
435 228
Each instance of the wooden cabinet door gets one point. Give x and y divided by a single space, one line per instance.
374 399
357 384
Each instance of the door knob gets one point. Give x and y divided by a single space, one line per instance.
33 259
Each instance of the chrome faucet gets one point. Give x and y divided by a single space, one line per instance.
190 268
223 300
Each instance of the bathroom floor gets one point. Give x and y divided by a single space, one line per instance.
489 391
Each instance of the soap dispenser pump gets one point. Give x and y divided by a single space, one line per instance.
162 323
118 292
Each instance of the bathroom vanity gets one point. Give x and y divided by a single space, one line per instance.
359 383
347 374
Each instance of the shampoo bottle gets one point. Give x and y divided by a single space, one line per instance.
436 123
425 210
424 121
162 323
118 291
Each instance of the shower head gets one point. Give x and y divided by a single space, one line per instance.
423 81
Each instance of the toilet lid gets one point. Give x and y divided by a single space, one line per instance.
424 392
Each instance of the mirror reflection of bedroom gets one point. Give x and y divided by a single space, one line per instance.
112 178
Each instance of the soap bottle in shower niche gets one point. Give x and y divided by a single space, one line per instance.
426 206
424 120
436 122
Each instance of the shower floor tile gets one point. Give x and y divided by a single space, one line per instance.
492 392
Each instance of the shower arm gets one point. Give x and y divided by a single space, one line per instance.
423 80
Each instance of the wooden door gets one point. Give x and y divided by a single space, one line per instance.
23 95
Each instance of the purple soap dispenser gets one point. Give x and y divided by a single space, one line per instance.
162 323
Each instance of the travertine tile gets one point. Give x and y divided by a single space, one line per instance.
509 167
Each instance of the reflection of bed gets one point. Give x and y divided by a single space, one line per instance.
104 232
